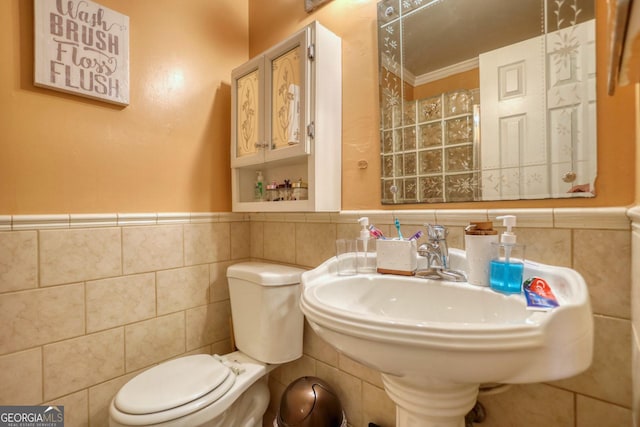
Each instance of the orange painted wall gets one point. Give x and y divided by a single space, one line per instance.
168 151
630 74
637 88
355 22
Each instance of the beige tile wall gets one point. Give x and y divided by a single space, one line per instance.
596 242
85 309
635 312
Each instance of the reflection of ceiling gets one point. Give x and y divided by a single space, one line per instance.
449 32
472 26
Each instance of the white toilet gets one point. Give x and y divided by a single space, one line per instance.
229 390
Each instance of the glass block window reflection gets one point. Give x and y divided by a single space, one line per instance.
433 155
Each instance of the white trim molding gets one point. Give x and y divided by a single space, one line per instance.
607 218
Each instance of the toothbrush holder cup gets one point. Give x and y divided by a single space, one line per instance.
397 257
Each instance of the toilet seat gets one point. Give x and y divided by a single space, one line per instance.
172 390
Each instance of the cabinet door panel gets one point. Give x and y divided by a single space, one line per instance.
285 99
287 77
248 112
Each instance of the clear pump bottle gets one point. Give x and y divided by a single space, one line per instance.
366 248
505 271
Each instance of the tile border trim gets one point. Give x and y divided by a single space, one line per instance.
609 218
39 222
634 215
5 222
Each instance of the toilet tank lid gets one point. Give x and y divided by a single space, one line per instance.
265 274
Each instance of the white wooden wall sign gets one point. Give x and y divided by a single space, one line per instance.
82 47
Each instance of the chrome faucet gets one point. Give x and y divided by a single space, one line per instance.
436 252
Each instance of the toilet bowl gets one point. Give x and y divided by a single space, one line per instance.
229 390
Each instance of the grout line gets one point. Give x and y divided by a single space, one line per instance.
86 311
38 259
124 348
577 393
575 409
611 317
184 247
229 242
121 251
41 347
155 287
572 247
89 406
184 326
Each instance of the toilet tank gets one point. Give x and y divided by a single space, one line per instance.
267 321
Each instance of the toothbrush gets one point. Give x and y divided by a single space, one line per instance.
376 233
416 235
397 221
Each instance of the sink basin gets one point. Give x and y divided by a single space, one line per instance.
436 341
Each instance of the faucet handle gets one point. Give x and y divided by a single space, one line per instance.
436 232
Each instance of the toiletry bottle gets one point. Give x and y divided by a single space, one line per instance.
479 238
365 248
259 187
272 192
505 271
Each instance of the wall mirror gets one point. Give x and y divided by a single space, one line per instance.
486 100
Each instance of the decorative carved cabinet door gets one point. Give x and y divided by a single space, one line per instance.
269 102
248 112
287 74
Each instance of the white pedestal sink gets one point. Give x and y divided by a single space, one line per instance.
435 341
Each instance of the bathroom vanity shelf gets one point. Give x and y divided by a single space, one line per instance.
287 122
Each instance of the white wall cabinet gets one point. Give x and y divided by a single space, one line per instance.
287 122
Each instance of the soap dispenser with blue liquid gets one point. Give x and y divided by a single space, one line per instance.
505 271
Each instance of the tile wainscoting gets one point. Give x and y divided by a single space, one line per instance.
596 242
634 214
88 301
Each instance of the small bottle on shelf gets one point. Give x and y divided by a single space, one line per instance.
259 187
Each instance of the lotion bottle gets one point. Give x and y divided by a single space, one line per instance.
505 271
479 243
